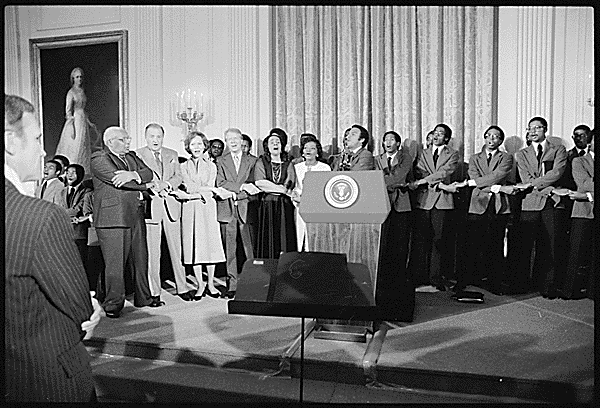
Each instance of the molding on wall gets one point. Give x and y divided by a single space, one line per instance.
13 78
61 17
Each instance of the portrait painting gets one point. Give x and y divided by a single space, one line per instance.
80 89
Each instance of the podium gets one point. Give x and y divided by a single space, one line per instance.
345 213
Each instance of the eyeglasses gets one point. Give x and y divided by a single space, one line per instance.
533 128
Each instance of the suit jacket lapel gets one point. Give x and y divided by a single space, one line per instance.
243 166
531 157
444 155
428 153
495 160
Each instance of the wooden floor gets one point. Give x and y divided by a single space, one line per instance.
516 346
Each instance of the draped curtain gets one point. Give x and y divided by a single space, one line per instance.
386 68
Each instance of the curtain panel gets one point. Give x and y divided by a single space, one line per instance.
386 68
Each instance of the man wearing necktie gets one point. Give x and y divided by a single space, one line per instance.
165 212
120 177
396 164
540 214
431 253
51 187
357 156
488 214
237 215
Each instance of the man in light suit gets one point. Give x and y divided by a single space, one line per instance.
355 157
488 213
582 237
47 302
119 178
51 187
540 166
235 172
430 254
396 164
165 211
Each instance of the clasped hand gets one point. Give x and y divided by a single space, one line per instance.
89 325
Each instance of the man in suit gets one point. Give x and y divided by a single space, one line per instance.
165 211
430 254
51 187
119 178
355 157
396 164
235 171
215 149
488 213
47 302
540 167
582 237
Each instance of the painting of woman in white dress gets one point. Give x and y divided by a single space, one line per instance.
78 133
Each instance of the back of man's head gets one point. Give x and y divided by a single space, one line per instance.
14 108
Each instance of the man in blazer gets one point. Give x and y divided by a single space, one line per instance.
235 172
430 254
47 301
119 178
488 213
396 164
582 237
355 157
540 166
51 187
165 211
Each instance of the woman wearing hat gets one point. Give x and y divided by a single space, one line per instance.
275 175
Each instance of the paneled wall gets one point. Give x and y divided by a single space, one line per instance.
220 51
546 68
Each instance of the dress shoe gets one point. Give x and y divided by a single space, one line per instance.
230 294
187 296
113 315
458 287
156 303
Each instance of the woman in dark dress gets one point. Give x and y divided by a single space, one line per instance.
274 174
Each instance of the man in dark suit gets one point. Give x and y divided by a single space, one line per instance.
355 157
488 214
234 173
583 238
396 164
165 212
430 254
540 166
47 302
119 178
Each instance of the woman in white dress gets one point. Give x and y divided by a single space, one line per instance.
311 151
76 134
200 231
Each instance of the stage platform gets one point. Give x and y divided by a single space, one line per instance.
510 348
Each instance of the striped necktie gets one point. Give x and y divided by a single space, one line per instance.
159 163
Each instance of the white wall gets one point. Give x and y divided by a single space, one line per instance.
221 51
546 68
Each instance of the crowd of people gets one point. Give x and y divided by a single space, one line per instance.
491 230
223 205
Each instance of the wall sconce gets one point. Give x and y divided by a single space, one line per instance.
188 108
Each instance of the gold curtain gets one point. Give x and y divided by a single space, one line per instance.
386 68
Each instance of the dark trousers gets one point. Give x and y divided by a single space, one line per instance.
544 228
118 246
485 244
580 272
392 273
431 255
231 233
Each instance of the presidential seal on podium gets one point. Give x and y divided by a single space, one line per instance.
341 191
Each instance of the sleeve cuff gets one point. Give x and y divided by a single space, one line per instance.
472 183
590 197
495 188
138 178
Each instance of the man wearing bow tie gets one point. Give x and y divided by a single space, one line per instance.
119 178
165 211
540 165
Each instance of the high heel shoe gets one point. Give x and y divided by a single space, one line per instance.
199 295
207 292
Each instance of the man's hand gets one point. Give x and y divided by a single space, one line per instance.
160 185
561 191
451 188
89 325
508 190
578 196
122 176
